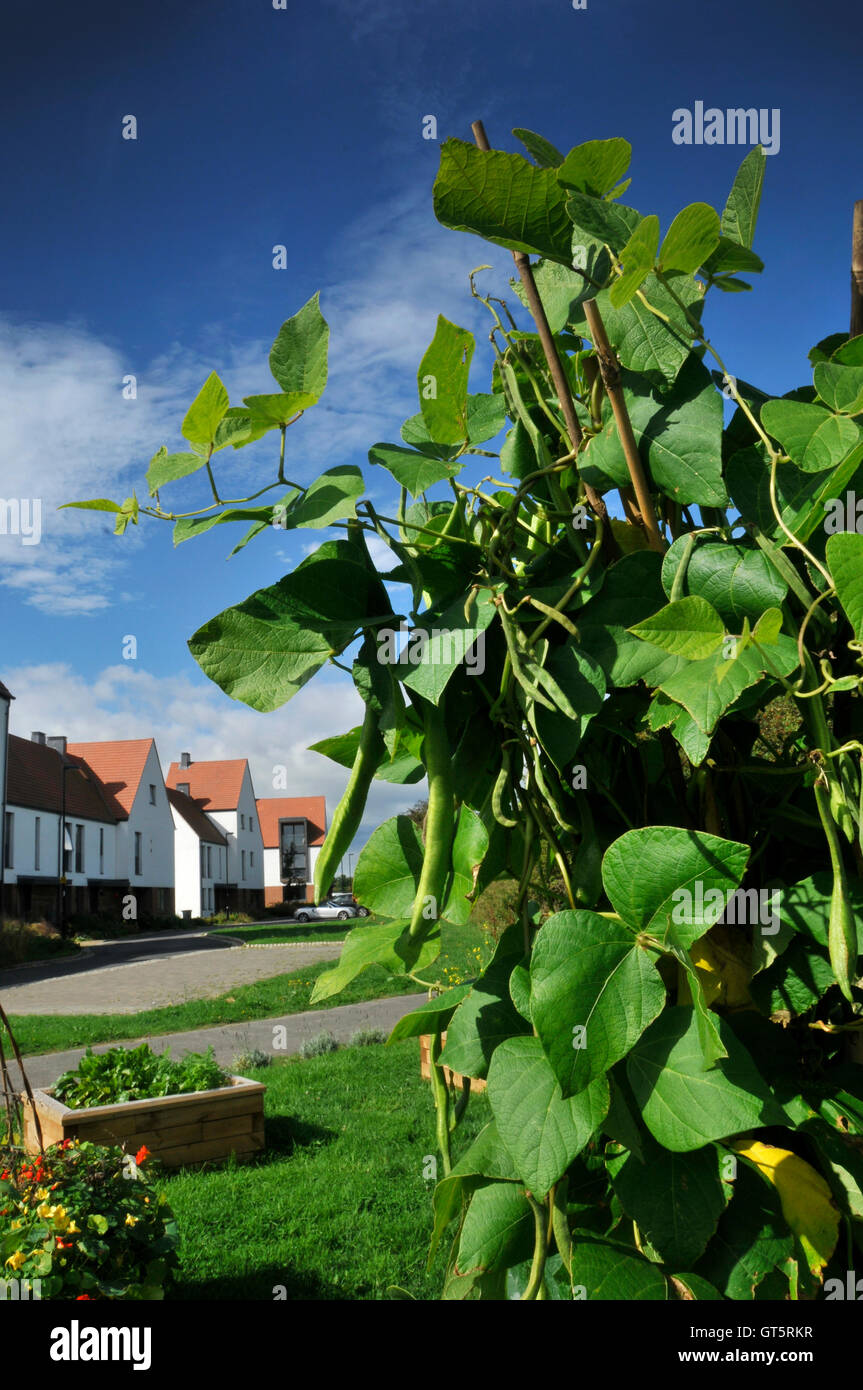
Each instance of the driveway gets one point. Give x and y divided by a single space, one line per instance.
149 972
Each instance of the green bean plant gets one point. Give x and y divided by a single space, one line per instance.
631 666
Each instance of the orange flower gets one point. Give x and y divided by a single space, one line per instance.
142 1154
82 1296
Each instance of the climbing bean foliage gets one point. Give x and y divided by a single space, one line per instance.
659 714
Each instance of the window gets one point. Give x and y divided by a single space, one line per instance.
251 822
79 849
138 852
251 858
68 848
293 839
101 849
242 822
203 860
243 862
37 843
152 793
8 840
209 861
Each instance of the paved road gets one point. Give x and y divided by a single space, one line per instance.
228 1040
149 972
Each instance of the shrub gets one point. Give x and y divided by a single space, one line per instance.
317 1046
365 1037
22 941
136 1073
87 1222
249 1061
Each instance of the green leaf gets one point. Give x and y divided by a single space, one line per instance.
735 577
469 848
542 1131
676 1202
812 437
269 411
678 433
503 198
498 1230
686 1107
331 497
433 658
729 255
542 151
593 992
561 290
596 166
430 1017
487 1016
581 680
298 357
95 504
840 387
707 688
612 223
752 1241
262 651
690 239
388 944
659 879
845 561
631 591
740 214
442 382
689 627
486 416
643 342
823 351
411 469
486 1160
606 1271
637 256
388 869
167 468
205 412
802 498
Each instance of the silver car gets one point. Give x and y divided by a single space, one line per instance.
327 910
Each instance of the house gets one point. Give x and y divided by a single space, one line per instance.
52 801
131 776
6 698
200 858
222 789
293 830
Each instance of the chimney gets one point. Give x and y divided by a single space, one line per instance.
58 743
37 736
185 760
184 787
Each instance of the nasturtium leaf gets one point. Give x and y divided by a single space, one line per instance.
542 151
688 627
593 992
298 357
690 239
431 1016
685 1106
605 1271
670 882
807 1203
204 414
411 469
442 382
674 1200
845 561
387 944
502 198
542 1131
596 166
487 1016
839 386
740 214
637 256
813 437
736 577
263 650
167 468
498 1229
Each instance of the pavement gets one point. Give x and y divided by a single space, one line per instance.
277 1037
149 972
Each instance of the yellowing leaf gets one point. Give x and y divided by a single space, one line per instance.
721 959
806 1202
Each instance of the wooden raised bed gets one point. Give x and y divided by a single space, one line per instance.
199 1127
452 1078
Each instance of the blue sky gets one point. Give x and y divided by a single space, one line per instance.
303 126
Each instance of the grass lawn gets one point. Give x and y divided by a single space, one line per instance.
288 933
282 994
338 1207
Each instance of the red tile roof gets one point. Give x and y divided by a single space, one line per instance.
272 809
215 785
34 779
194 816
118 764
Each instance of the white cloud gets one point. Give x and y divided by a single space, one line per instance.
123 702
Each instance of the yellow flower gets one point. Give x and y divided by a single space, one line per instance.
131 1220
16 1260
61 1218
45 1211
72 1229
42 1193
15 1225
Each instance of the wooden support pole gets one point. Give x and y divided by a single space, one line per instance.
610 370
857 270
